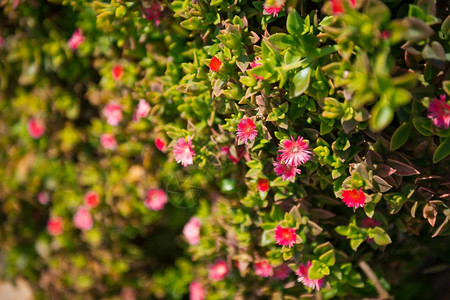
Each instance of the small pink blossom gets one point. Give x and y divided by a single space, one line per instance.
154 13
218 271
385 34
263 185
55 226
287 172
142 110
302 273
256 63
128 293
36 128
246 131
117 72
156 199
338 6
76 40
281 272
273 7
285 236
92 199
439 112
159 143
108 141
353 198
196 291
294 152
183 152
263 268
113 113
83 219
240 154
191 231
370 223
43 198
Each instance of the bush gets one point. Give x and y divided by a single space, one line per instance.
230 149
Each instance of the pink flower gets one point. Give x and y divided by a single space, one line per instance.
263 185
286 172
154 13
353 198
281 272
191 231
142 110
117 72
92 199
256 63
246 131
83 219
338 6
385 34
113 113
156 199
439 112
294 152
196 291
215 64
159 143
218 271
43 198
1 41
55 226
285 236
263 268
36 128
183 152
302 273
240 153
370 223
108 141
128 293
273 8
76 40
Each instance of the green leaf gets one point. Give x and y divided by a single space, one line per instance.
442 151
435 54
267 237
381 237
294 23
300 82
281 40
276 213
328 258
318 270
355 243
446 86
422 125
400 136
382 115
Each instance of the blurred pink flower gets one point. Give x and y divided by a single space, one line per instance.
285 236
92 199
43 198
273 8
36 128
439 112
338 6
128 293
55 226
256 63
83 219
302 273
294 152
191 231
113 113
353 198
142 110
154 13
117 72
263 185
370 223
281 272
246 131
240 153
183 152
108 141
76 40
218 271
196 291
156 199
159 143
286 172
263 268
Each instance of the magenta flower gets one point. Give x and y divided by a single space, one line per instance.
263 268
76 39
108 141
370 223
281 272
294 152
43 198
439 112
246 131
256 63
55 226
263 185
196 291
338 6
113 113
273 7
285 236
117 72
353 198
83 219
191 231
286 172
154 13
183 152
92 199
156 199
302 273
36 128
159 143
142 110
218 271
240 153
